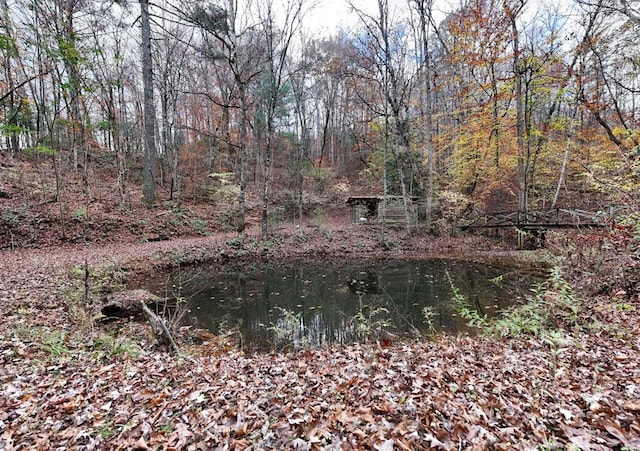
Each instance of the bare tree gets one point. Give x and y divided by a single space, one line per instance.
278 34
513 8
424 9
385 50
237 47
173 50
150 154
109 75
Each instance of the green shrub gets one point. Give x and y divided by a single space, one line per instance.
319 217
551 307
108 346
200 226
288 330
79 213
55 344
12 217
321 177
371 320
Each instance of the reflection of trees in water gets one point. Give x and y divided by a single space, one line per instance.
364 282
316 305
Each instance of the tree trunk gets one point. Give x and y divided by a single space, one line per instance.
148 179
520 113
266 185
244 158
424 13
565 159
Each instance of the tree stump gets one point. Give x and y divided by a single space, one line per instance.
127 304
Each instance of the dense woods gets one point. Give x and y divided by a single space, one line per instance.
499 104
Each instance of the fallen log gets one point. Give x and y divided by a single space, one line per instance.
126 304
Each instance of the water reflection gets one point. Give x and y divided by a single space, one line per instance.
317 304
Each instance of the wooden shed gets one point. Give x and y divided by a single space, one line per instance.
369 209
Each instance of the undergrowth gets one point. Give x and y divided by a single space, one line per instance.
89 286
551 308
288 330
108 346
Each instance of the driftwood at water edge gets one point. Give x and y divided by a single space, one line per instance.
159 327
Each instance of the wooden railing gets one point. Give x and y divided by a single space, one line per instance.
538 220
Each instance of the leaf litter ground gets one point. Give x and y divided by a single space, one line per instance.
64 387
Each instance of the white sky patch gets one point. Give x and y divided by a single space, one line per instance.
331 16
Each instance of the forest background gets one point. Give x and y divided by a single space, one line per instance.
492 106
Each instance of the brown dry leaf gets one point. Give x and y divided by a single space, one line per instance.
386 446
632 406
580 437
181 436
613 427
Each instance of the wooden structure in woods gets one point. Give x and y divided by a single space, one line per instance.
371 209
541 220
533 225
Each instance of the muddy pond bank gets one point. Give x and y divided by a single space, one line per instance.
344 245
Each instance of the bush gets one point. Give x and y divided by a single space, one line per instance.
322 178
551 308
12 217
200 226
454 208
319 217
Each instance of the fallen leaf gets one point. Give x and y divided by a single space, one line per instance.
386 446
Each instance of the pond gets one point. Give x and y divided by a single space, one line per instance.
275 306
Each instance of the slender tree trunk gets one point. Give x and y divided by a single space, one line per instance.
385 183
7 107
72 90
165 139
424 10
121 149
495 130
244 157
431 155
11 113
520 112
565 159
60 195
40 91
148 179
266 174
407 204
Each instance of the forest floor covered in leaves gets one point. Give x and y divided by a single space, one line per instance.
68 382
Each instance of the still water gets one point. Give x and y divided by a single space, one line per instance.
313 304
